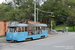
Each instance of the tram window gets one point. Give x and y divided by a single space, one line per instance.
22 29
38 28
43 28
19 29
11 29
29 28
25 28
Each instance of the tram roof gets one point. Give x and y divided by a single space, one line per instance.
38 25
18 25
30 25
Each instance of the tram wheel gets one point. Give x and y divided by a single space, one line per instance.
8 40
26 40
15 41
31 38
42 37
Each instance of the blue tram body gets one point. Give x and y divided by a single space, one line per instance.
21 36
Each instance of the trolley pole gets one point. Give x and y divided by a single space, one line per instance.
35 12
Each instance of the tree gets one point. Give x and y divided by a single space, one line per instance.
10 15
71 19
2 11
26 9
57 7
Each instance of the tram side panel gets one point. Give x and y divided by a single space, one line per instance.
45 33
22 36
36 36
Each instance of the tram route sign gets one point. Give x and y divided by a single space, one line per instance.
13 23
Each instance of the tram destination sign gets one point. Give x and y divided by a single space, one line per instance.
13 23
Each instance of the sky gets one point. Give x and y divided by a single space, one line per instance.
2 1
11 0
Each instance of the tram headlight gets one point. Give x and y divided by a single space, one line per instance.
10 36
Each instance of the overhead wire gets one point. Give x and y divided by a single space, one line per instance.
44 11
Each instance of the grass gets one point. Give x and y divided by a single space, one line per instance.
70 29
2 36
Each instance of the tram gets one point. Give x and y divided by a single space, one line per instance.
21 32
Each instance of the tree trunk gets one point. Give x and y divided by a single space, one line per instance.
73 28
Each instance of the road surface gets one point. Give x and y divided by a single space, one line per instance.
61 41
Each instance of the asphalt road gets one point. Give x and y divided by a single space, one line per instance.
61 41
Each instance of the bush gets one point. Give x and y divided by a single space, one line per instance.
2 36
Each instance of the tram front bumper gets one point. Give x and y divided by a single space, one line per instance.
11 38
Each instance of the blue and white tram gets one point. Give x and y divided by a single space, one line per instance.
21 32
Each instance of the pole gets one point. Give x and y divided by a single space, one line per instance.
35 15
66 29
35 12
51 25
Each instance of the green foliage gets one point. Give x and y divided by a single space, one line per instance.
60 11
71 19
11 14
70 29
2 36
25 10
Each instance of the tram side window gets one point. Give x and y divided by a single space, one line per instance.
25 28
19 29
31 30
38 28
43 28
22 29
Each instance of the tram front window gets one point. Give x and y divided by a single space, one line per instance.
12 29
